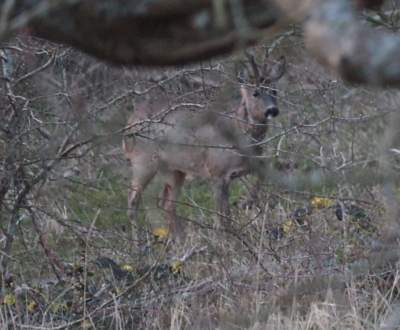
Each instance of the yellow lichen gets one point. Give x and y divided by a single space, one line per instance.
321 202
176 266
160 233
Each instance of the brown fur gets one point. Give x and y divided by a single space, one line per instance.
176 142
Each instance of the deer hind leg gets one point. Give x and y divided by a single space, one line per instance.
221 192
142 175
169 196
250 200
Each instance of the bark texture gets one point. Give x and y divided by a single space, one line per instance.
151 32
171 32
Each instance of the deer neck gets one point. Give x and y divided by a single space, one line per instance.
248 126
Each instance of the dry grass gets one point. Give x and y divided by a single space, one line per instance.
287 262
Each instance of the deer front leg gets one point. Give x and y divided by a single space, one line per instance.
221 192
134 198
141 177
169 197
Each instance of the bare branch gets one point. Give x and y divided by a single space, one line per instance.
35 71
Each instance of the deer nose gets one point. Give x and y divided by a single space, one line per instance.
272 112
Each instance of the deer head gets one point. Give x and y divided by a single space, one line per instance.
259 95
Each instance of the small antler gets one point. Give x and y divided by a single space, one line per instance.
239 72
254 67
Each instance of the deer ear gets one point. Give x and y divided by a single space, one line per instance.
278 69
245 95
128 142
274 70
243 91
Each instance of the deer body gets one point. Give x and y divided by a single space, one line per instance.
216 145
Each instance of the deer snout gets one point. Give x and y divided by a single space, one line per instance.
272 112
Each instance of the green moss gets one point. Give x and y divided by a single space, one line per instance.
236 191
107 198
196 194
198 197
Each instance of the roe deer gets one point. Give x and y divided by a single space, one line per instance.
191 143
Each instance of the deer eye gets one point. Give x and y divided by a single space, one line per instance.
256 94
